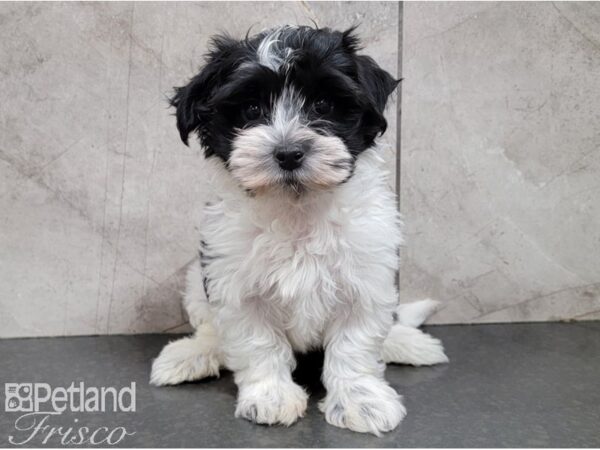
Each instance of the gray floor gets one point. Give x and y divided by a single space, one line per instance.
529 385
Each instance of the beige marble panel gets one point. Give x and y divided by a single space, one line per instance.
99 200
500 158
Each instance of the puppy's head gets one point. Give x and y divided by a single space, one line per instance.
289 108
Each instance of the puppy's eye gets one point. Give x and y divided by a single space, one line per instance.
252 111
323 106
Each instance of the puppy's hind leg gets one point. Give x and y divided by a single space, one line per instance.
406 344
188 359
414 314
194 357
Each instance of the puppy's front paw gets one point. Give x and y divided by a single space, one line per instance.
271 402
367 405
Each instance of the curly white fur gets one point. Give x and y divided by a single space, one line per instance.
287 274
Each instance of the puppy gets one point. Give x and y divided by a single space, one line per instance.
299 250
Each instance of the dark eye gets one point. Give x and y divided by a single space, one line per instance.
252 111
323 106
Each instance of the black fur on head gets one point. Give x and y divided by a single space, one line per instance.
299 91
323 63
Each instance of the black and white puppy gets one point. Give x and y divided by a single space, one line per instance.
300 248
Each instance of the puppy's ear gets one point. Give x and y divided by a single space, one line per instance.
350 40
193 101
377 83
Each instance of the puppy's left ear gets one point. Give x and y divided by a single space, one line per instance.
377 83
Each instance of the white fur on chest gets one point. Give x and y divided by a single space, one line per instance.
300 259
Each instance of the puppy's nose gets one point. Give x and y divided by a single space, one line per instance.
289 158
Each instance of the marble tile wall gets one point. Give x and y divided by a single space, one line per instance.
99 200
500 159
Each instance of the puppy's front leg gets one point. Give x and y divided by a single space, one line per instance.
358 397
262 360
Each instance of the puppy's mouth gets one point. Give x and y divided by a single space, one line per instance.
291 183
261 161
318 177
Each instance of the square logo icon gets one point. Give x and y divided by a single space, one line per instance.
18 397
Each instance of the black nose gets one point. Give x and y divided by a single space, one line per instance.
289 159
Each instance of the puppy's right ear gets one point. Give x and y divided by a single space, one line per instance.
193 102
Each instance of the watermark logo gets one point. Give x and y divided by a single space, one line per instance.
40 404
19 397
41 397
